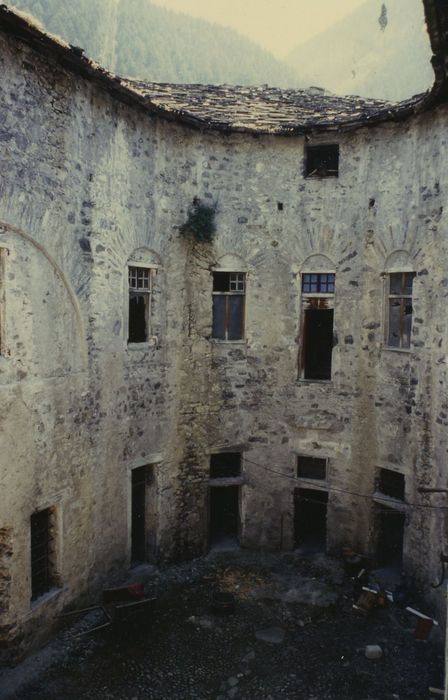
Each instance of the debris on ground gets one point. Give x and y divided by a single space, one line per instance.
280 642
373 651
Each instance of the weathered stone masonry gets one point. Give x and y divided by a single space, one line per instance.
92 178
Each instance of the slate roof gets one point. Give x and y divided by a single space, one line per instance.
247 109
266 109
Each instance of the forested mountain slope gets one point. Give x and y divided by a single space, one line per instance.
380 50
138 39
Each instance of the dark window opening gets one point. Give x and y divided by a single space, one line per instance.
322 161
138 515
228 305
318 283
140 288
137 318
280 206
43 569
310 519
317 343
391 483
224 516
2 301
400 309
311 468
225 464
390 535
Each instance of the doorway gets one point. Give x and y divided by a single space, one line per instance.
318 343
310 519
390 528
224 517
138 515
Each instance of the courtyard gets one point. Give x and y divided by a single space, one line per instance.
293 635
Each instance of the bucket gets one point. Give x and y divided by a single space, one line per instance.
423 628
223 602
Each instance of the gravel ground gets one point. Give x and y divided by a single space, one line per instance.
293 635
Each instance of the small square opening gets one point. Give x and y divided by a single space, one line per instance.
322 160
311 468
225 465
391 483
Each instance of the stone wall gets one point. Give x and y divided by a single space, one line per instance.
86 182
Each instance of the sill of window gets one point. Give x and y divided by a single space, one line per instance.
47 597
390 500
328 176
149 345
390 348
308 480
325 382
219 341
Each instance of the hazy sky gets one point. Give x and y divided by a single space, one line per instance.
278 25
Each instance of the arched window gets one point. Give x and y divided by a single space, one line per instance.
399 283
142 269
317 313
229 297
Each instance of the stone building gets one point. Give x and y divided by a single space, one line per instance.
283 384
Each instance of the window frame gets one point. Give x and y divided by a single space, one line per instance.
226 295
322 301
148 295
403 298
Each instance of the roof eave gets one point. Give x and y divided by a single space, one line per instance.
74 60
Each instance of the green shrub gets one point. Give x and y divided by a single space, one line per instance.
201 221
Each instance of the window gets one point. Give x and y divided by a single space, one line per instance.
322 161
140 293
311 468
400 309
43 559
225 464
318 282
3 254
229 290
391 483
317 324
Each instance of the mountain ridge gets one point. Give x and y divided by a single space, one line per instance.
138 39
374 52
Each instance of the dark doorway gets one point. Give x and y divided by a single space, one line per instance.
137 318
138 525
42 552
318 343
390 524
310 519
224 516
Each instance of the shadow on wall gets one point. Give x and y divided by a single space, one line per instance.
42 328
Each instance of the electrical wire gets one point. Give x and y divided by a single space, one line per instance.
339 490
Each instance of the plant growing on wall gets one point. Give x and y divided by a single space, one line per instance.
201 221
